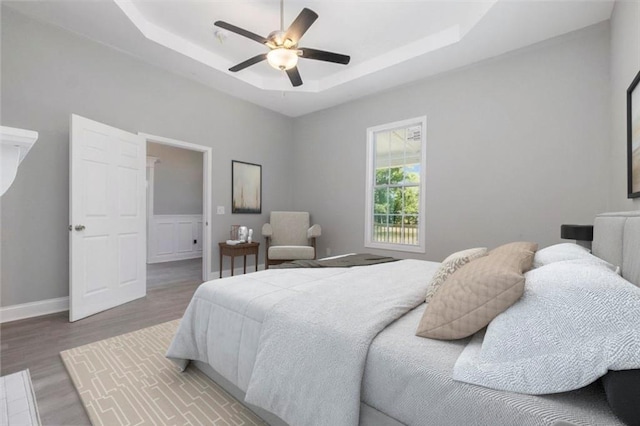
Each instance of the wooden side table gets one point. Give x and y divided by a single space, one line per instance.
242 249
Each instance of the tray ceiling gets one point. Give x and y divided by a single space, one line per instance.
390 42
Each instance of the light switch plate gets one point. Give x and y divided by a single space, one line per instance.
220 210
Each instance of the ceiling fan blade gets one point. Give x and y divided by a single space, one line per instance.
301 24
294 76
248 62
321 55
242 32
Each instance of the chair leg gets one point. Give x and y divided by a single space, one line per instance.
313 244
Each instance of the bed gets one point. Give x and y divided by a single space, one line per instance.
338 346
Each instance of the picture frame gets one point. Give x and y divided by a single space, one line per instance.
633 139
246 187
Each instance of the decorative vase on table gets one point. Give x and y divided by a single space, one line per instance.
243 233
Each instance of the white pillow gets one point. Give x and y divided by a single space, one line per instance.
566 251
573 323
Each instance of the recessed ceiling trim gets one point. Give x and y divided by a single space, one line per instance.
179 44
391 58
396 56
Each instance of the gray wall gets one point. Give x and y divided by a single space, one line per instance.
49 73
177 180
625 64
516 146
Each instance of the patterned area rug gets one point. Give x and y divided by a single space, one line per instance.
126 380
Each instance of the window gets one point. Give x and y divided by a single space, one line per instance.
396 155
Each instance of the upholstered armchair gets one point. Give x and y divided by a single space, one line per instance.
289 237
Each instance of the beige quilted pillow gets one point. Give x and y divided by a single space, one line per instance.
519 247
451 264
475 294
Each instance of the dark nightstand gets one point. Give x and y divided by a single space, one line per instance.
242 249
583 234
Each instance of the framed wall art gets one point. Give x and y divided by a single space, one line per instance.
633 138
246 187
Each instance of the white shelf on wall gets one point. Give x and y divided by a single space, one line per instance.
15 145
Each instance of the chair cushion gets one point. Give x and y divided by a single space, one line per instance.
291 253
289 228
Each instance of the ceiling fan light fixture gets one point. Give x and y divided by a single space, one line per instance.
282 59
283 46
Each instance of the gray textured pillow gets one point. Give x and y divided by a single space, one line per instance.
573 324
567 251
451 264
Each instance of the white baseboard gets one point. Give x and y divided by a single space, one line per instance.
33 309
61 304
174 257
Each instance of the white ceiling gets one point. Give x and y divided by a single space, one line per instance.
391 42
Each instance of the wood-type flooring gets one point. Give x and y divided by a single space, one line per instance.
35 344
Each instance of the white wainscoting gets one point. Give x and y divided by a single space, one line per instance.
171 237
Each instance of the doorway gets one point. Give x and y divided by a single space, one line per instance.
107 215
178 212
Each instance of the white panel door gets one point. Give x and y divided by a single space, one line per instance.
107 240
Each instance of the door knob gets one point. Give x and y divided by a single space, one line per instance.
79 227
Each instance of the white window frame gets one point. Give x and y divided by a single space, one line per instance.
370 183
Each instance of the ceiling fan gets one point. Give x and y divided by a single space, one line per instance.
283 46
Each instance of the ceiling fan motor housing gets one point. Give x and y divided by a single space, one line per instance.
279 39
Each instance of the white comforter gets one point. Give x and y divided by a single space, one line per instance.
314 328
